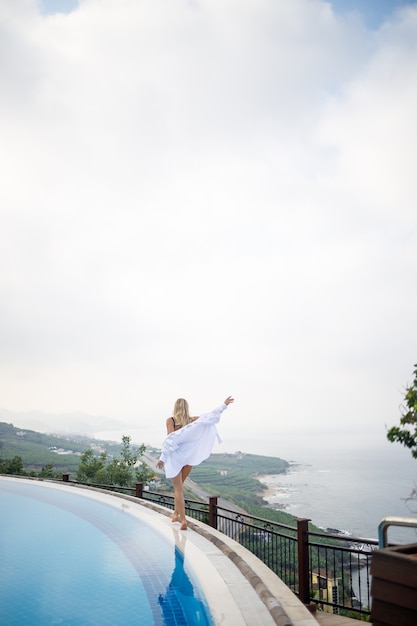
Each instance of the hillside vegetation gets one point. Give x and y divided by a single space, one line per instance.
233 476
38 449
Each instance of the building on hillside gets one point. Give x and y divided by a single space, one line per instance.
326 588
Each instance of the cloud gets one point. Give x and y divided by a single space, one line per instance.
204 198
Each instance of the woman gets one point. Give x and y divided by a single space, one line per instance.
189 441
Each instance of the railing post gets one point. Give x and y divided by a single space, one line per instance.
303 561
65 477
213 511
139 490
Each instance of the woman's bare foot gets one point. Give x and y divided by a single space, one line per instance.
174 518
183 526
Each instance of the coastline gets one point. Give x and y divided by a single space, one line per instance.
349 492
270 487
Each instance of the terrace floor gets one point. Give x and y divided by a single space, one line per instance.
327 619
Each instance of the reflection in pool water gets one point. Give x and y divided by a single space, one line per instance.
179 603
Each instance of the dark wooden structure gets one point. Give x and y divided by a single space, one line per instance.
394 586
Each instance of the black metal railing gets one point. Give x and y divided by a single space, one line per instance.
340 572
194 508
332 571
275 545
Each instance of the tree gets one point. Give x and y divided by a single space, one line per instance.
122 472
92 468
47 471
12 466
406 432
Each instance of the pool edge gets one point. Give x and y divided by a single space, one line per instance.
283 605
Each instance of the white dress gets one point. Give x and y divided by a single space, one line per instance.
192 444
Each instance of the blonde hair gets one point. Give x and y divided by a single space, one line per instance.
181 412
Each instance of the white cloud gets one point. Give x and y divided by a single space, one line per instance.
204 198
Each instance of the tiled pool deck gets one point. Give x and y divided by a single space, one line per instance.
240 589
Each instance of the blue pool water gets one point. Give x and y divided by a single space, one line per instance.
74 560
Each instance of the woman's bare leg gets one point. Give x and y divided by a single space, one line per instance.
179 501
184 473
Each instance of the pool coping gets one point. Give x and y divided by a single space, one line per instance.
282 604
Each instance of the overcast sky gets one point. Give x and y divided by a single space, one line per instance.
209 197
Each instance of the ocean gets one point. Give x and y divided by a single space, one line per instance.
345 483
350 492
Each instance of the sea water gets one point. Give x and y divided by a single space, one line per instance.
349 490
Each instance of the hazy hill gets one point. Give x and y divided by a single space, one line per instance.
39 449
75 422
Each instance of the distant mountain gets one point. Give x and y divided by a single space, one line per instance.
68 423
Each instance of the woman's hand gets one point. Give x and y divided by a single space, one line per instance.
229 400
160 464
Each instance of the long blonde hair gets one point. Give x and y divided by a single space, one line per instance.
181 412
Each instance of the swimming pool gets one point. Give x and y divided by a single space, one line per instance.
75 557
